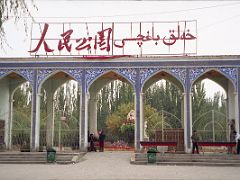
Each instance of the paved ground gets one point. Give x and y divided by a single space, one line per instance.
114 165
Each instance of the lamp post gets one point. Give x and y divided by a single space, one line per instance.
62 118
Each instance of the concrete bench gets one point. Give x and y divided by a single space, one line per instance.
216 144
158 143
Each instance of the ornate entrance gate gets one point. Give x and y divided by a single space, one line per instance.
137 71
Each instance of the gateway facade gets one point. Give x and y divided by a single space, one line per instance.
92 75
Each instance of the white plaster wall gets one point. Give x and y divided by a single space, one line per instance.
4 105
231 101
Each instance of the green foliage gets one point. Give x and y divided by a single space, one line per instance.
208 114
128 132
164 96
125 128
110 98
115 101
153 119
21 125
22 107
119 129
116 120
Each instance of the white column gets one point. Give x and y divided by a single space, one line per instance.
5 107
80 117
37 127
141 117
231 97
50 120
185 119
93 115
83 123
10 121
85 138
135 130
187 125
236 107
189 149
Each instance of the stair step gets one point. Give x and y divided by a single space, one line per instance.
189 159
38 158
22 162
198 163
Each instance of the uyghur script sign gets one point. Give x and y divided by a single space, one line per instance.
114 39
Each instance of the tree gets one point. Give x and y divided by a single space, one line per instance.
110 98
165 96
21 124
115 122
12 9
117 119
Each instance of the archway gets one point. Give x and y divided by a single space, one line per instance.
59 124
210 116
111 99
15 112
163 109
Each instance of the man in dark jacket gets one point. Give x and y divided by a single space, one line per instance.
101 141
91 139
195 140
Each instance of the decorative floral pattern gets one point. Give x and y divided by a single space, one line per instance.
42 74
178 73
230 73
25 73
195 73
92 74
146 73
75 73
3 72
129 74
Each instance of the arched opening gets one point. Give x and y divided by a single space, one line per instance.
59 112
163 109
213 104
15 114
111 108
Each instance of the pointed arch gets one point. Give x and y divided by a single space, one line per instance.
162 74
198 73
45 74
111 74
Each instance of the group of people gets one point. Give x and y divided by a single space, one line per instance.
92 139
234 136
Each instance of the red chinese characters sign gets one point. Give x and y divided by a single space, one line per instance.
114 39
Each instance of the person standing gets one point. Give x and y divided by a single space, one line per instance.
195 140
101 141
237 138
91 139
232 135
232 130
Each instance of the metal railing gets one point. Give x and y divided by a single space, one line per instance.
212 126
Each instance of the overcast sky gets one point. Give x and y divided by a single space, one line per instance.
218 22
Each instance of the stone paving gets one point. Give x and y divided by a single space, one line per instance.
114 165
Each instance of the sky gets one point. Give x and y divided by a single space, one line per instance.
217 21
